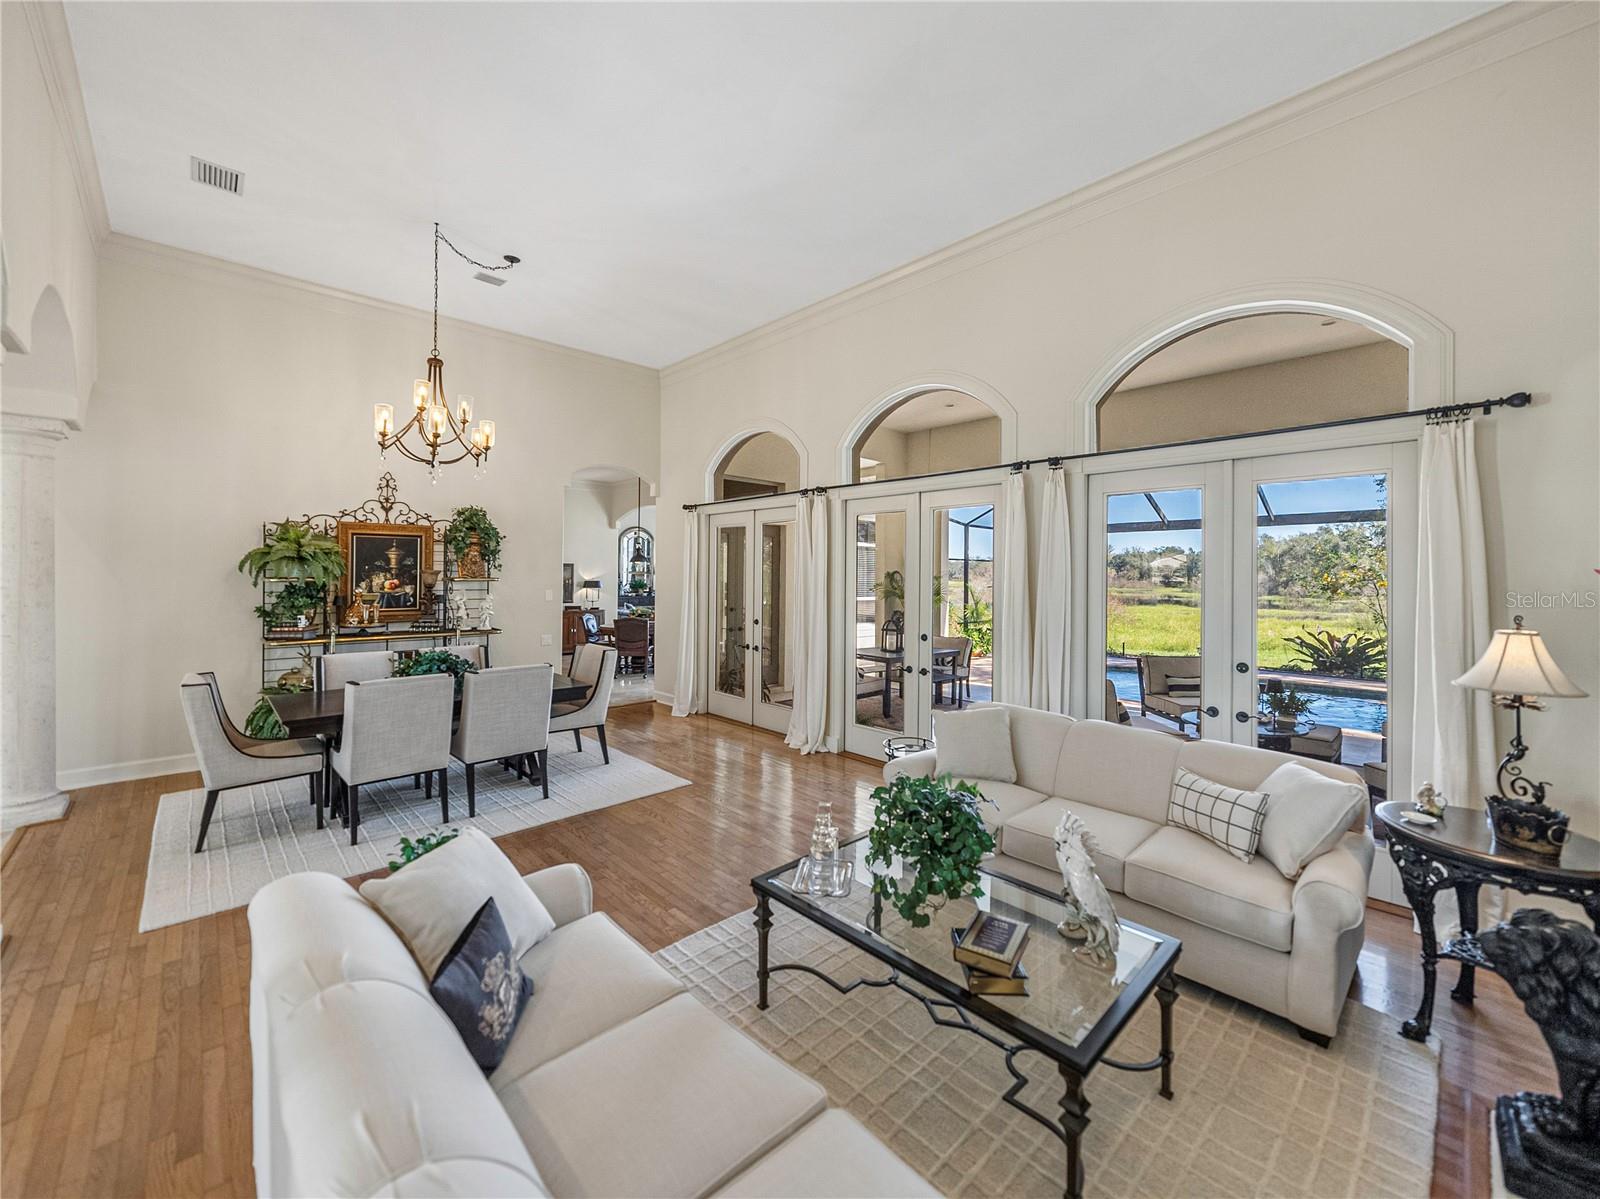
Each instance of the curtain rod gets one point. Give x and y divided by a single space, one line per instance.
1517 399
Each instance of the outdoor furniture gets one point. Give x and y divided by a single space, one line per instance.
392 728
598 672
892 662
1115 710
1170 687
505 715
229 759
958 666
1324 742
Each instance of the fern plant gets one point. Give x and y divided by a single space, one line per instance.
295 551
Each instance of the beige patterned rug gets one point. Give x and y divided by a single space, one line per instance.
1257 1111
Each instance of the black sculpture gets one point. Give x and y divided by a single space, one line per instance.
1548 1143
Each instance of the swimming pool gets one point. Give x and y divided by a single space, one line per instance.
1344 710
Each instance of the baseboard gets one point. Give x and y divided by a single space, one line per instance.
121 772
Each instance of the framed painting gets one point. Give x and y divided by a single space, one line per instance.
386 566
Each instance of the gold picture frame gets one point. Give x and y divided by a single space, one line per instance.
388 563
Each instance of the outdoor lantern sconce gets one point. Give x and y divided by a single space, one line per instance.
893 639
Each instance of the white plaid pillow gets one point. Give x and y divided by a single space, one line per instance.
1222 815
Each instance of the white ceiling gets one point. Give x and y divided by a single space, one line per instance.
671 174
1249 341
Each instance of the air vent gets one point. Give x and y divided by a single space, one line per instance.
213 175
491 280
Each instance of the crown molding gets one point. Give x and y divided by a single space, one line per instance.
136 251
52 42
1494 36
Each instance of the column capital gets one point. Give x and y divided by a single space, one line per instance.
22 427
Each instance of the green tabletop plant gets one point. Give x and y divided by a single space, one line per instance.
934 827
436 661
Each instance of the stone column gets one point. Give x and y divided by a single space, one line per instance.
28 791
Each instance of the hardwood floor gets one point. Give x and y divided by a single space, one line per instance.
126 1058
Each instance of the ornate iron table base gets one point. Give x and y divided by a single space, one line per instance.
1074 1118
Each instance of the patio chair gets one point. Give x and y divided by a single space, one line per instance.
957 671
1170 687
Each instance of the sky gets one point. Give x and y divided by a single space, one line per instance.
1337 494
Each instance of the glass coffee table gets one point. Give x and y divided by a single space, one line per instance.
1072 1013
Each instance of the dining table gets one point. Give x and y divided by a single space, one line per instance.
320 714
893 662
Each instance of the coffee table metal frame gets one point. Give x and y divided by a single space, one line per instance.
951 1006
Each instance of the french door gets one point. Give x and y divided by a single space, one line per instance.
752 668
1262 600
919 631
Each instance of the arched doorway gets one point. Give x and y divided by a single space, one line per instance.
1256 590
608 569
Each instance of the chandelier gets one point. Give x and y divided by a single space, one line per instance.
435 432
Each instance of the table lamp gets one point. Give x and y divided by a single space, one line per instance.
591 590
1517 670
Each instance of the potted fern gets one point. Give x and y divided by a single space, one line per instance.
297 552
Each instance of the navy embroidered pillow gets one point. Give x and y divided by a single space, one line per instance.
482 988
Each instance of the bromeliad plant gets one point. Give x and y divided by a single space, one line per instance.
1355 655
934 827
436 661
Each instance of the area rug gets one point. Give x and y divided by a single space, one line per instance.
1257 1111
264 832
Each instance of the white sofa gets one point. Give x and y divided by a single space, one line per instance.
616 1082
1287 946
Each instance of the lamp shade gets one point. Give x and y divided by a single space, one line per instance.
590 585
1517 662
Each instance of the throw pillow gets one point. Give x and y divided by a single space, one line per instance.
1308 814
975 744
482 988
1225 816
1183 685
429 901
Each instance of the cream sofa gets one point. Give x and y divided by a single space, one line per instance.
616 1082
1288 947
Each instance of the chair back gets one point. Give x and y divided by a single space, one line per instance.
398 726
476 654
1115 710
604 667
335 670
1155 671
591 626
504 712
208 727
633 637
586 660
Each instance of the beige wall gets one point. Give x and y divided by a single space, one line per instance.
593 516
1463 183
766 457
1359 381
51 218
228 397
944 447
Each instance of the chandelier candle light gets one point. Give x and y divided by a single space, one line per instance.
438 430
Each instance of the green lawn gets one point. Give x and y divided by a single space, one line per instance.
1169 622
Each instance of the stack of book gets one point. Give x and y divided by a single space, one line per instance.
990 954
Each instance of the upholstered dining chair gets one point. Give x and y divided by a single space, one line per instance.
597 671
505 714
633 642
392 728
359 666
478 655
229 759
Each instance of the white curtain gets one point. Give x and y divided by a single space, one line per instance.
1452 728
684 698
1052 667
1013 656
808 725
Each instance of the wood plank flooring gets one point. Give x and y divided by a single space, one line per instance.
125 1057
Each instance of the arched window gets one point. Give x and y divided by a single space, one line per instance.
762 464
928 431
636 563
1254 374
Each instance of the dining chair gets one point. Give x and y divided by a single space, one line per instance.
229 759
597 671
505 714
633 642
478 655
392 728
333 671
592 633
957 668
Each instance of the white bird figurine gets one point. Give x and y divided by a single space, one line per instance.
1090 916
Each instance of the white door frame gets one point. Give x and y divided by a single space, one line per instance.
749 515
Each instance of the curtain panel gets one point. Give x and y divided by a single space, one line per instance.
684 693
1013 649
808 725
1052 667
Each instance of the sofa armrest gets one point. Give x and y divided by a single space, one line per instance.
918 765
565 891
1331 892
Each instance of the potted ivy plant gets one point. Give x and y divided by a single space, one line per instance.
934 827
471 527
435 661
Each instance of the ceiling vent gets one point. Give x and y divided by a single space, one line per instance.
213 175
491 280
